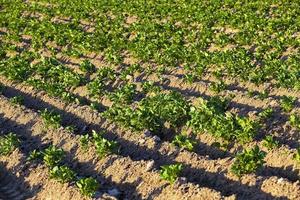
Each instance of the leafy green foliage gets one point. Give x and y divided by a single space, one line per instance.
270 143
8 143
102 145
97 86
17 100
265 114
87 67
62 174
263 95
248 161
35 155
287 103
218 87
16 68
152 112
149 87
51 119
129 71
296 156
124 95
295 121
52 156
171 172
184 142
84 142
211 117
87 186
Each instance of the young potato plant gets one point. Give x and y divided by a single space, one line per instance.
263 95
149 87
171 172
104 77
17 100
189 78
52 156
211 117
51 119
296 156
123 95
87 67
35 155
295 121
287 103
16 68
103 146
152 112
53 72
62 174
270 143
87 186
8 143
248 161
84 142
218 87
265 114
129 71
184 142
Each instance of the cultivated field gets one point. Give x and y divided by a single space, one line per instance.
156 99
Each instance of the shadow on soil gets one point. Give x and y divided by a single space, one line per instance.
15 188
216 181
29 143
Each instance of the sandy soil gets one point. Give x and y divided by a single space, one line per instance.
134 172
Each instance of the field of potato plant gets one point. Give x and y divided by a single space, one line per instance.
156 99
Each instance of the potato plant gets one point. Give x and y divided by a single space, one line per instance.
171 172
211 117
8 143
103 146
51 119
87 186
287 103
184 142
248 161
17 100
152 112
52 156
62 174
270 143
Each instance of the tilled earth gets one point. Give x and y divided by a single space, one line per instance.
134 172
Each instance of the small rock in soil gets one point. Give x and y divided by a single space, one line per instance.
84 128
156 139
114 192
150 165
182 180
280 180
147 133
142 141
98 195
107 197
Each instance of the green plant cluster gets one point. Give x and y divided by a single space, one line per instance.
211 117
53 157
152 112
248 161
103 146
8 143
51 119
104 77
168 35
